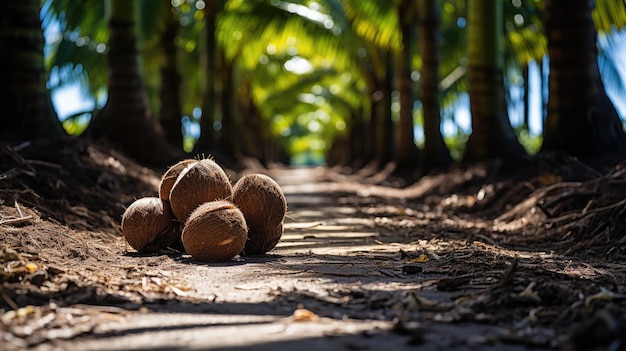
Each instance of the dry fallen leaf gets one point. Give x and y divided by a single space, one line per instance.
304 315
31 267
420 259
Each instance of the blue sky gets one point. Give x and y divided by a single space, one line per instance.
70 99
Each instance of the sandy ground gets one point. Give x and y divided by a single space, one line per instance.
313 291
352 272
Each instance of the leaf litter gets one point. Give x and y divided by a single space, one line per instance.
537 255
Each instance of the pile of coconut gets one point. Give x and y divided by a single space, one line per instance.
215 220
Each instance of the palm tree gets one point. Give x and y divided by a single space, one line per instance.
492 135
126 120
247 31
407 153
206 142
376 29
381 118
170 112
229 143
27 108
581 119
525 43
79 55
435 153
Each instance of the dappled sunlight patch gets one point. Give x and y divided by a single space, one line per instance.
314 236
307 214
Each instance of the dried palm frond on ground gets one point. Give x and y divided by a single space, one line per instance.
586 218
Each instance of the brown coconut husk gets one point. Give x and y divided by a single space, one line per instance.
215 231
199 182
169 178
264 205
262 241
148 225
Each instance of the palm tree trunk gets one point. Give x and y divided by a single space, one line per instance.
357 138
206 142
27 110
581 119
492 135
435 154
252 133
381 113
126 120
169 90
229 143
407 153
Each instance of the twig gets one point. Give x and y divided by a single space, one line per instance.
587 206
14 155
544 210
19 210
20 220
28 163
14 221
567 194
576 215
44 164
38 206
19 159
22 146
9 174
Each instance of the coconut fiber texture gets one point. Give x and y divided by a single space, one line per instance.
215 231
263 204
199 182
148 225
169 178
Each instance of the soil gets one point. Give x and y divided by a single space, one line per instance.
517 255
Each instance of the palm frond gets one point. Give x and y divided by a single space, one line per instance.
375 21
79 51
609 15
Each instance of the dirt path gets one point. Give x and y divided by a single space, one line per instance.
359 267
352 272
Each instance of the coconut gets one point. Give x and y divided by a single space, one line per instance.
262 241
215 231
264 206
169 178
148 225
197 183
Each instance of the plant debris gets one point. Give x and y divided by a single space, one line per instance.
494 254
